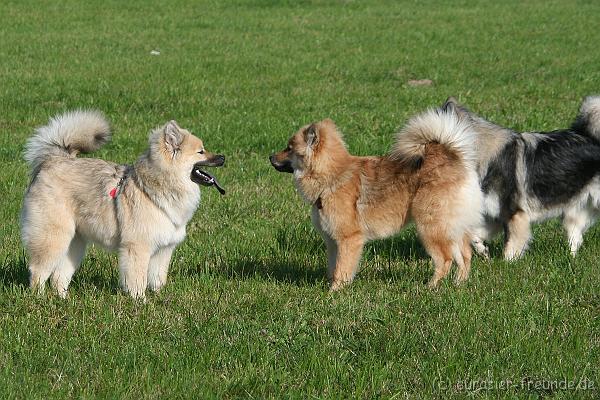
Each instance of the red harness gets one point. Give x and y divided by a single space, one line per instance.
117 189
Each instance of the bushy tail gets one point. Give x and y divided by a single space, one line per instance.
588 120
436 126
464 204
79 131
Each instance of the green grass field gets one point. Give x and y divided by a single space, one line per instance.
246 312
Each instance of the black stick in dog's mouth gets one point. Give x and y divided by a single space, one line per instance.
205 179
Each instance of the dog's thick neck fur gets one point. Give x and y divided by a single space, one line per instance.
333 169
178 197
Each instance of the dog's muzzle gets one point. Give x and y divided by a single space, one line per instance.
285 166
204 178
216 161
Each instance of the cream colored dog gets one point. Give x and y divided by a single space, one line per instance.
140 210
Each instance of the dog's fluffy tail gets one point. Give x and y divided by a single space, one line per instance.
464 204
436 126
588 120
79 131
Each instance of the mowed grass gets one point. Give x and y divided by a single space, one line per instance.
246 312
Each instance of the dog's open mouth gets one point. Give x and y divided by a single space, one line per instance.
205 179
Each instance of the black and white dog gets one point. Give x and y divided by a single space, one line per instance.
528 177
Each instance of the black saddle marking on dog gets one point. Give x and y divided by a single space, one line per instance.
560 165
501 178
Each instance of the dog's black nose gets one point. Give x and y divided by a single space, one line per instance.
220 159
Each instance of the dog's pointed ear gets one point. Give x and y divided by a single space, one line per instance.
450 104
173 136
453 106
311 135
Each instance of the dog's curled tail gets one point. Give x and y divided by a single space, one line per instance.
588 119
79 131
435 126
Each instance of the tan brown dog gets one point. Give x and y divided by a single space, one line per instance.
429 177
141 210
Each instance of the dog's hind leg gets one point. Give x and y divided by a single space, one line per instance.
61 277
463 260
442 261
440 248
40 269
158 268
518 234
349 251
47 252
133 266
576 221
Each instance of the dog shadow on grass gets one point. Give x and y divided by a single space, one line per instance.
283 271
300 259
292 258
399 258
14 272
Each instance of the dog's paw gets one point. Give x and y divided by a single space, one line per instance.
139 298
337 285
481 249
484 253
156 283
460 278
137 293
511 254
433 283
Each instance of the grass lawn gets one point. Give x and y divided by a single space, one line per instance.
246 312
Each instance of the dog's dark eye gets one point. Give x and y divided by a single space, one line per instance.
201 152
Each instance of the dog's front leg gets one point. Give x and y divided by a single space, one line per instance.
480 247
517 234
329 242
332 250
349 250
159 267
133 266
485 232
